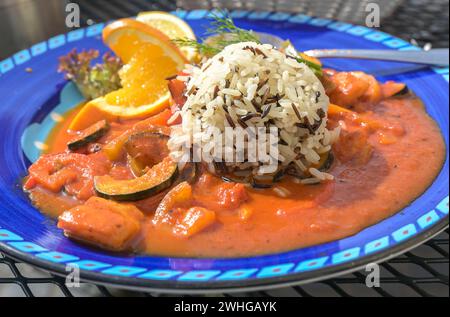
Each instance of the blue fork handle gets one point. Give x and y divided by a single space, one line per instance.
436 57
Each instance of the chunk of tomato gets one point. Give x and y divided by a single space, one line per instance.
215 194
103 223
176 88
193 221
72 172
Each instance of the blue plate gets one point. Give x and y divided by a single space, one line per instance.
33 102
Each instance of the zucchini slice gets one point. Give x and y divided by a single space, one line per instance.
136 167
394 89
115 148
326 162
190 173
157 179
146 149
89 135
405 90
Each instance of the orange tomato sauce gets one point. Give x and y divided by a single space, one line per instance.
402 165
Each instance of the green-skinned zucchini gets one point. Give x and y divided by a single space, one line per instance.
136 167
326 162
394 89
158 178
89 135
190 173
403 92
146 149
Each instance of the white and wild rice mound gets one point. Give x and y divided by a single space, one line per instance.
256 85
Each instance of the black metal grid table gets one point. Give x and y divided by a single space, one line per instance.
423 271
420 272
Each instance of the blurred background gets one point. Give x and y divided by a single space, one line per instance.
25 22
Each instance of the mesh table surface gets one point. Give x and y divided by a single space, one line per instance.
421 272
421 21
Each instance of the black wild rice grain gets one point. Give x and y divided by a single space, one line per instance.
318 94
230 120
321 113
216 92
262 83
256 105
265 110
242 123
264 98
279 175
192 90
220 167
259 52
296 112
257 185
249 116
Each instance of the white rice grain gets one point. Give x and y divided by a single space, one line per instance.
240 80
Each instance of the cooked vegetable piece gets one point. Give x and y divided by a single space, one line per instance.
179 196
326 80
326 161
151 203
190 173
69 171
373 93
136 167
230 196
89 135
245 212
176 88
193 221
147 149
392 89
217 195
115 148
349 88
103 223
354 146
363 120
337 110
158 178
175 211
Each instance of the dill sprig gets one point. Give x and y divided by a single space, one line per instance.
202 48
316 68
301 58
224 25
223 32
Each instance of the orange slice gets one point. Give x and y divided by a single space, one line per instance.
126 35
172 26
149 57
88 115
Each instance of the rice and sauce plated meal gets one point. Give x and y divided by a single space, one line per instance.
229 147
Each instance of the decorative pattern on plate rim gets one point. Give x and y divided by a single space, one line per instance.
397 236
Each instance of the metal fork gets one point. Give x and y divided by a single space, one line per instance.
434 57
